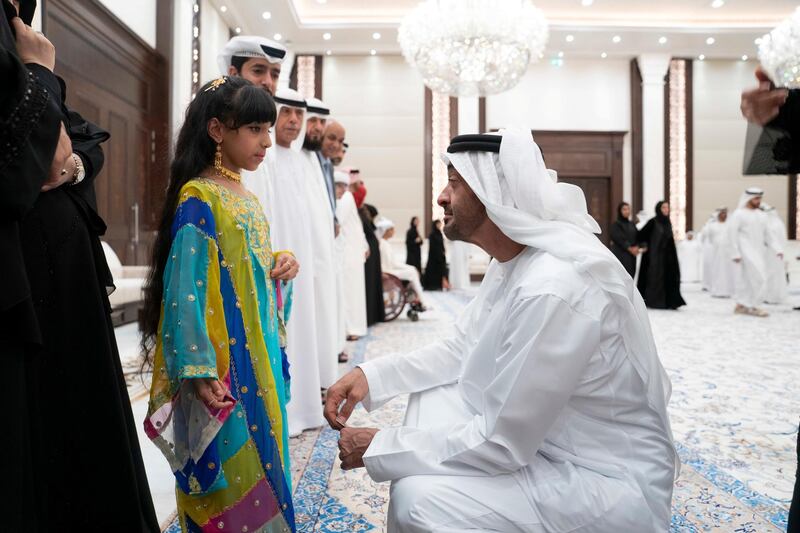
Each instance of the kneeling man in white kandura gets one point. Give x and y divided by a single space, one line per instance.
546 407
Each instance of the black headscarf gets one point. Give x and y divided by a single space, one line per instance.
660 217
619 211
26 10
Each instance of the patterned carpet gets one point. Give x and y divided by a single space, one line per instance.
734 412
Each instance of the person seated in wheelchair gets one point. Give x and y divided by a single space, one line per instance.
384 230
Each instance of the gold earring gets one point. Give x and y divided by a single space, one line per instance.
222 171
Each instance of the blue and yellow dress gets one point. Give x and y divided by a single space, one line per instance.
221 317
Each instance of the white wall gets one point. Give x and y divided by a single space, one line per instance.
138 15
582 95
719 133
380 101
213 38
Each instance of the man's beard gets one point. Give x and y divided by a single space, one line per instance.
311 144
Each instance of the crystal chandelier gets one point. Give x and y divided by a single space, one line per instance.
473 47
779 52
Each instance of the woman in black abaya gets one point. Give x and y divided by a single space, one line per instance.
414 245
376 311
660 275
623 239
435 277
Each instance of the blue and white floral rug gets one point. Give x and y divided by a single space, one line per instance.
734 410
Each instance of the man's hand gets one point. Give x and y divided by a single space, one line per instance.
286 268
32 46
366 255
634 250
761 105
62 169
351 389
212 392
353 444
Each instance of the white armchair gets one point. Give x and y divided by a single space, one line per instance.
129 281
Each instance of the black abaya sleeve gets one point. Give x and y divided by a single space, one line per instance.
644 234
618 236
30 122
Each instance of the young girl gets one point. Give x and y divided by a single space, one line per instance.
211 323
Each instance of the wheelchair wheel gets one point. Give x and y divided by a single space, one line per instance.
394 297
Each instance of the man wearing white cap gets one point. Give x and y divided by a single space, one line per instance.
545 409
777 287
291 229
749 237
355 251
323 233
253 58
258 60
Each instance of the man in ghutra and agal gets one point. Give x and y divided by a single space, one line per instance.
545 409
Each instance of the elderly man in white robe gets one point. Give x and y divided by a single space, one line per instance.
355 251
722 268
777 290
290 229
751 242
545 409
384 231
323 234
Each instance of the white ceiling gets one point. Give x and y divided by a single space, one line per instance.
640 23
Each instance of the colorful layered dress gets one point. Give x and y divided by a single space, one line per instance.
222 318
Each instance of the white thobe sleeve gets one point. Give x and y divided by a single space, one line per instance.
544 349
434 365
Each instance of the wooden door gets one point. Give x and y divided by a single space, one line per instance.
598 200
121 84
593 162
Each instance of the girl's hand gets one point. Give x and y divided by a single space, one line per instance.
212 392
286 268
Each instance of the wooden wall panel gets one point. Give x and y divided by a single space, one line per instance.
117 81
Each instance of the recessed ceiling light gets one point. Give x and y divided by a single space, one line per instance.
586 3
758 40
223 8
570 38
744 57
717 3
328 52
604 55
238 29
561 54
710 40
662 40
376 36
372 52
701 57
616 39
266 15
277 36
326 36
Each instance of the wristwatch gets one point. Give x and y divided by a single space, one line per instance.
80 170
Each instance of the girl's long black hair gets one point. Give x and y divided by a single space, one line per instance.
235 102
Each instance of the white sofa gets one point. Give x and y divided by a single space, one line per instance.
127 299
